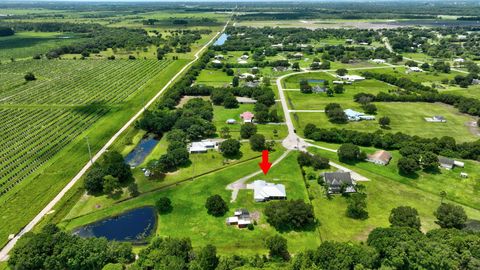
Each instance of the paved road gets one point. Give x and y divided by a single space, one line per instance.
6 249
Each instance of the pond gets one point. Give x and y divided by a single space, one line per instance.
133 226
141 151
315 81
221 40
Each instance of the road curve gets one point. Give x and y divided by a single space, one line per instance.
8 247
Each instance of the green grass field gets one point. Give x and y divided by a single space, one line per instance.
189 216
27 44
386 190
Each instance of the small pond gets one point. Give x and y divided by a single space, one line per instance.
141 151
221 40
315 81
133 226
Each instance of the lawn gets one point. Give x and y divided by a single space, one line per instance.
220 116
27 44
213 77
189 217
387 190
405 117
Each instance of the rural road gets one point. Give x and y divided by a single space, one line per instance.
8 247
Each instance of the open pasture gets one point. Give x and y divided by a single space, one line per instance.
28 44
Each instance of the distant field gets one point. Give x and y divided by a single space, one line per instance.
75 82
28 44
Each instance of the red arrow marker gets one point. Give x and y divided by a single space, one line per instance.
265 165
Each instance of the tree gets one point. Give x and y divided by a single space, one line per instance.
163 205
157 169
235 81
177 135
230 147
247 130
207 258
111 184
341 71
357 205
335 113
338 89
296 66
370 108
165 253
54 249
429 161
225 132
450 216
30 77
115 165
405 216
305 87
407 165
216 206
133 189
94 179
384 121
230 102
348 152
257 142
289 215
277 246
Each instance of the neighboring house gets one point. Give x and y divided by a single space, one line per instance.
279 45
462 37
244 57
459 60
381 157
475 81
231 121
436 119
357 116
280 68
414 69
298 55
253 84
263 191
241 218
247 117
202 146
219 57
378 61
351 78
449 163
338 182
317 89
341 82
242 62
217 62
464 175
246 100
246 75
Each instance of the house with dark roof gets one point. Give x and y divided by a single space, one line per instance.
338 182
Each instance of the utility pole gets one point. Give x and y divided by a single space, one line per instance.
89 150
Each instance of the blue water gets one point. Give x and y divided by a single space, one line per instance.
132 226
315 81
221 40
141 151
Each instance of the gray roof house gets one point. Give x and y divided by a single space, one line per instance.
449 163
335 181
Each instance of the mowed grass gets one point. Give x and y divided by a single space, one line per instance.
213 77
386 190
190 219
28 44
221 115
405 117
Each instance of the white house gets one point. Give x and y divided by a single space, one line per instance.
357 116
459 60
244 57
378 61
436 119
202 146
263 191
351 78
216 61
414 69
242 62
